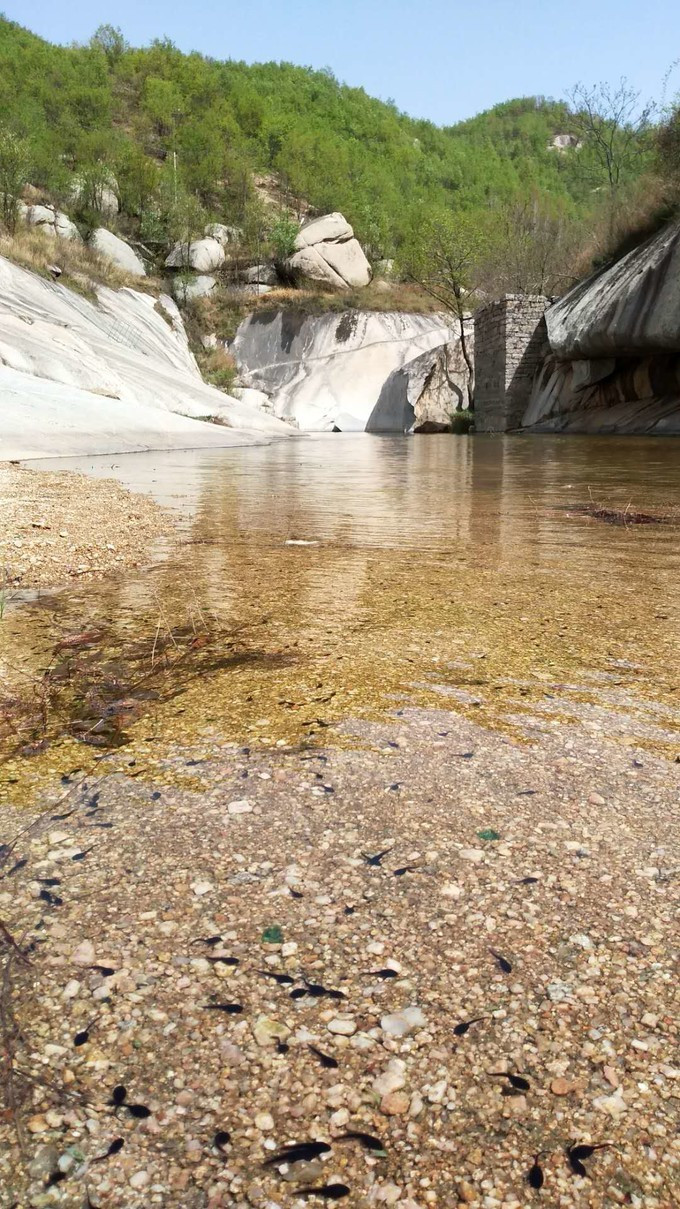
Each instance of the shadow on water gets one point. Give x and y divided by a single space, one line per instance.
429 565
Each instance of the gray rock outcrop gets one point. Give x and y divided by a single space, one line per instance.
203 255
186 288
327 252
223 233
328 371
117 251
51 221
425 393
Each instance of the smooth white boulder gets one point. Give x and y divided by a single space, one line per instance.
186 288
117 375
51 221
260 274
348 261
202 255
105 196
118 251
326 229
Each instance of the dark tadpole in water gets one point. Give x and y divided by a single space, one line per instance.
299 993
368 1140
105 971
80 856
115 1148
221 1139
82 1038
535 1176
156 795
528 881
118 1095
461 1029
319 991
59 818
576 1155
213 941
350 910
104 826
376 860
19 865
295 893
49 881
328 1192
283 980
518 1082
381 973
52 900
140 1111
325 1059
281 1046
395 787
526 793
225 961
231 1009
504 964
405 869
297 1152
464 755
57 1177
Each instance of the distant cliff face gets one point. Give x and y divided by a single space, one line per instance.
614 348
345 371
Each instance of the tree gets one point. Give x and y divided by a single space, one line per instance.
15 164
533 245
444 256
613 127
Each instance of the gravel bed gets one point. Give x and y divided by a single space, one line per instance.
289 950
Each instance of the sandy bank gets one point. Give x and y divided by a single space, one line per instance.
58 526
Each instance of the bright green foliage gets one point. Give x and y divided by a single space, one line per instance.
282 236
15 164
171 125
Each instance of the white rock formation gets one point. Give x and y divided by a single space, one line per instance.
326 251
328 371
186 288
117 376
260 274
202 255
51 221
426 392
105 196
118 251
223 234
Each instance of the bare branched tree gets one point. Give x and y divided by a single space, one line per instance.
612 124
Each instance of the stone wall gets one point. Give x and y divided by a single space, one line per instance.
510 335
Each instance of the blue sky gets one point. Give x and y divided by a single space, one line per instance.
440 59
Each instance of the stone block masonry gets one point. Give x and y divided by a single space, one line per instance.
510 335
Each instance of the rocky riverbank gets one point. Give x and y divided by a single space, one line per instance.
436 954
58 526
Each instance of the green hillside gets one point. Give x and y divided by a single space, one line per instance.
180 130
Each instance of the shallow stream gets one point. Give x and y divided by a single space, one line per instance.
338 576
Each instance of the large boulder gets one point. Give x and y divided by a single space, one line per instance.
630 309
116 250
203 255
187 288
103 197
328 229
327 252
426 393
328 371
260 274
51 221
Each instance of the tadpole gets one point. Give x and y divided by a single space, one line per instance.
326 1060
368 1140
319 991
19 865
329 1192
52 900
118 1095
461 1029
386 973
140 1111
535 1176
405 869
225 961
221 1139
281 1046
283 980
295 893
376 859
49 881
505 965
297 1152
115 1148
576 1155
528 881
231 1009
517 1081
105 971
213 941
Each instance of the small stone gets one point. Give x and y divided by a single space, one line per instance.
37 1124
611 1076
83 954
267 1031
451 890
289 948
264 1121
201 888
140 1179
392 1079
471 854
466 1192
400 1024
561 1087
396 1104
437 1092
343 1026
44 1163
243 806
613 1105
596 799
